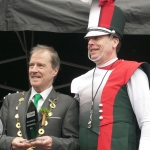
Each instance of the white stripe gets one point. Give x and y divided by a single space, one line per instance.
94 14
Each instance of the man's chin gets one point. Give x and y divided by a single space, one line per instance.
94 57
34 85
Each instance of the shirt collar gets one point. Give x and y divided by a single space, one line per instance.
44 94
107 63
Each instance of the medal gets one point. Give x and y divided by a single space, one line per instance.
19 133
18 125
16 107
41 131
16 116
21 99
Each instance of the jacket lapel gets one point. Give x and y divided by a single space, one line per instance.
53 94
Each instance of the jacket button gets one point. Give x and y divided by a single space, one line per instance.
101 117
100 105
100 111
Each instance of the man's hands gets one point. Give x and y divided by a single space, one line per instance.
19 143
43 142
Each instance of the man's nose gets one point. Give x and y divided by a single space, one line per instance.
91 41
34 68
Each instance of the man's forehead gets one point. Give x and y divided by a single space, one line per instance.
98 36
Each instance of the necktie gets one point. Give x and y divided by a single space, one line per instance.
37 97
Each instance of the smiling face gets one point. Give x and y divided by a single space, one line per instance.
41 73
102 46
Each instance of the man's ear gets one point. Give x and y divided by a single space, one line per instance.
115 42
55 72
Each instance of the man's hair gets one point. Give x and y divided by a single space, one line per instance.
118 46
54 59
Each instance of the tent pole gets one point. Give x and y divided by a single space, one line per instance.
32 39
23 47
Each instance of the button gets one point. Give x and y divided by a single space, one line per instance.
100 111
101 117
100 105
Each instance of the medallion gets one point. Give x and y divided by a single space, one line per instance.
41 131
16 116
19 133
18 125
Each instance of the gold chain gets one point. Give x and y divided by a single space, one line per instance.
41 130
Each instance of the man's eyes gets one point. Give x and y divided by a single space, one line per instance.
30 65
39 65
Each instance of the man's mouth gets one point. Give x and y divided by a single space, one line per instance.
93 50
35 77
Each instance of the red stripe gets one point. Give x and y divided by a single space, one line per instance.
104 139
106 15
118 77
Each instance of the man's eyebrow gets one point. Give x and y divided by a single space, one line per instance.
41 64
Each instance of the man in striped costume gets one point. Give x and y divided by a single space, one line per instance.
114 97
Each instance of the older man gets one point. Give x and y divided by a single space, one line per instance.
60 129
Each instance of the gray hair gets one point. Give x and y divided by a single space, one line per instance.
54 59
118 46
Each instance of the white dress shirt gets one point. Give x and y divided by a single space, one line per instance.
44 95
